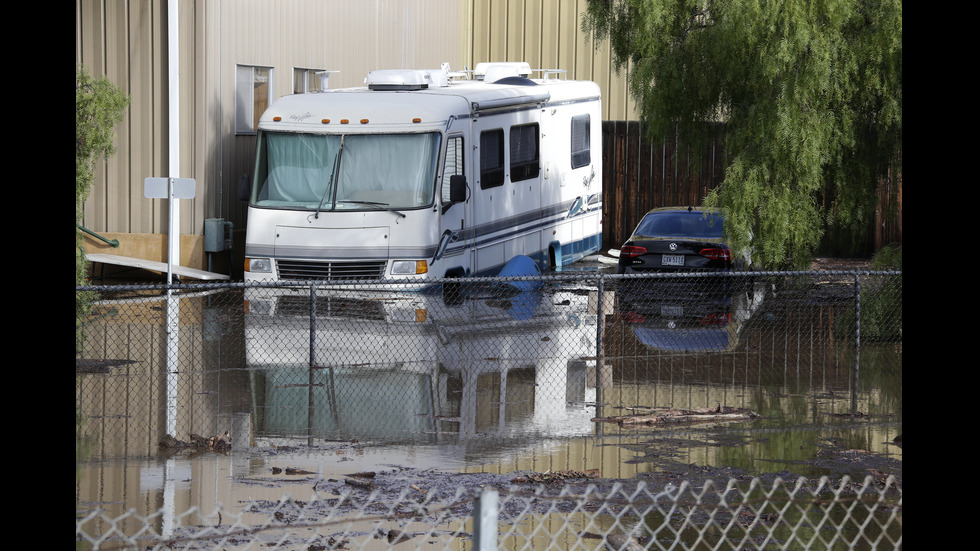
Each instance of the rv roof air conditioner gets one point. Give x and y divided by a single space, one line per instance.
492 72
408 79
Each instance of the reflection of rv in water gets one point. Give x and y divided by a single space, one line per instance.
409 367
421 174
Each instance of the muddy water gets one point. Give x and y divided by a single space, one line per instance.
818 405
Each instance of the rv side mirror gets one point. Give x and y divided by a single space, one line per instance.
245 188
457 188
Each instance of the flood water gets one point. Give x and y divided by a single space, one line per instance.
489 384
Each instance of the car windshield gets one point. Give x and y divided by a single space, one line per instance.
681 224
354 171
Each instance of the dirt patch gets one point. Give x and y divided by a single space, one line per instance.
840 264
448 496
408 504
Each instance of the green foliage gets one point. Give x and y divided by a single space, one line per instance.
810 94
99 106
881 310
888 258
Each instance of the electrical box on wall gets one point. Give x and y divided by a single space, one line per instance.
217 235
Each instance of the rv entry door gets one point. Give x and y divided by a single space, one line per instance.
454 240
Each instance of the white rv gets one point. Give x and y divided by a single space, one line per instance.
425 174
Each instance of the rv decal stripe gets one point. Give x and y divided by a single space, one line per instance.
506 228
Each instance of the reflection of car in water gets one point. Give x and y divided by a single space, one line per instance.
702 309
405 366
672 239
665 316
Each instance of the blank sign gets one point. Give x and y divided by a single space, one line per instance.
157 188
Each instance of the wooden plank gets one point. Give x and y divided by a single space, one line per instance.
154 266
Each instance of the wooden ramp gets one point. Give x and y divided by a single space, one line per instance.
161 267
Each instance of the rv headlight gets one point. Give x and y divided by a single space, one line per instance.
409 267
258 265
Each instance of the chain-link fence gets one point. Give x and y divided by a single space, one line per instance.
475 357
801 514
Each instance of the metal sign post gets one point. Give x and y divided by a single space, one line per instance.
171 189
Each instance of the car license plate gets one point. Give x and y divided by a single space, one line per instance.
671 311
672 260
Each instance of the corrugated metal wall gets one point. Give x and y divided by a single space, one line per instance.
547 34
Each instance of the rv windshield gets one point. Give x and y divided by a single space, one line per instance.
351 172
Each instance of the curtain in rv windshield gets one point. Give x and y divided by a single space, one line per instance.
396 170
299 169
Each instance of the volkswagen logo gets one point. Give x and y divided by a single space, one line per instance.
673 246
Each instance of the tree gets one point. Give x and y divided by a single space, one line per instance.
99 106
806 96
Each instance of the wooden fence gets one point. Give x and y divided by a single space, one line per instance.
639 175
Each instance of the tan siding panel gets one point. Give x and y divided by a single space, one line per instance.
147 134
515 30
534 34
550 43
115 209
92 57
191 210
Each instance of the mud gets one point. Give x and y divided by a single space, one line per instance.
435 498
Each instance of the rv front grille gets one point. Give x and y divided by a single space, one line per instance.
331 271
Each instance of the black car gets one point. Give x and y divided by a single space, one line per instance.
678 239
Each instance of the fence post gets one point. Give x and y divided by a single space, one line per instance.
857 341
485 521
600 333
857 310
312 325
312 369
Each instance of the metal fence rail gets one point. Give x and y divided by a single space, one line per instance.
475 358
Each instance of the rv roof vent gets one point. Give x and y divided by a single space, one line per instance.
325 79
492 72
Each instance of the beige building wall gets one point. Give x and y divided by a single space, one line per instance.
127 40
548 35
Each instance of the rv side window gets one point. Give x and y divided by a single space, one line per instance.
492 158
454 165
524 163
581 146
